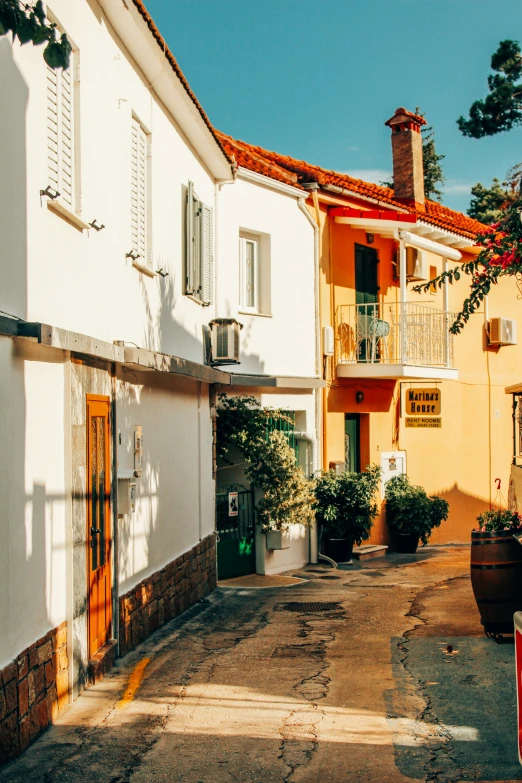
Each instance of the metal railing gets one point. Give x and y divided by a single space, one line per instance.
394 333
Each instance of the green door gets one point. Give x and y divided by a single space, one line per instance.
351 442
236 555
366 290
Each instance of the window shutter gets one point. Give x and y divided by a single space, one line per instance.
190 242
205 245
139 190
60 133
52 127
66 137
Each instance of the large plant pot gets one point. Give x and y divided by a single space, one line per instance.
339 549
496 578
406 543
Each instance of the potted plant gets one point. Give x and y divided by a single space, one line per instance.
346 509
496 569
411 513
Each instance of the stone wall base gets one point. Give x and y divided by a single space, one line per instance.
34 688
167 593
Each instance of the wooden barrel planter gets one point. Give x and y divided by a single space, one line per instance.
496 578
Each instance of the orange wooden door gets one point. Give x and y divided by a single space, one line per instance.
99 537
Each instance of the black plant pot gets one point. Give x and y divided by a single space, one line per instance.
339 549
406 543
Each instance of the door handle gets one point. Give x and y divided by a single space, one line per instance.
95 530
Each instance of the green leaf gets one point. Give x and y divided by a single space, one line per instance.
26 30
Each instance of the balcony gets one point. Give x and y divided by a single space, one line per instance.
394 340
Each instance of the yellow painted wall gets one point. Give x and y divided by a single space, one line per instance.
460 460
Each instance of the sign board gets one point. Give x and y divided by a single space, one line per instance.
393 463
232 504
422 421
423 401
517 619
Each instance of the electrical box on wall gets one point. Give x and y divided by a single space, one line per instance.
338 467
502 331
126 495
328 341
138 450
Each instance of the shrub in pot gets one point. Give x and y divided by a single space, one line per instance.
496 569
411 513
346 509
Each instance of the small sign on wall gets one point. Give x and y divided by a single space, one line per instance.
233 509
393 463
423 421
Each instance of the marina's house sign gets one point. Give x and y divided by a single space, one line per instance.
423 407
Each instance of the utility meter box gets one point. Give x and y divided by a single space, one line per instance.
126 495
338 467
328 341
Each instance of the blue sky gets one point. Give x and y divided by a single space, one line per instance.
316 79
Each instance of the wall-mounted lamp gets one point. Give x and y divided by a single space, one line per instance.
95 225
359 396
50 192
370 238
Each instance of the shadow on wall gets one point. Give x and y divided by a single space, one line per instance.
464 509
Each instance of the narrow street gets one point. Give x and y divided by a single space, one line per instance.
390 680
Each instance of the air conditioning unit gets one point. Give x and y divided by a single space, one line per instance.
328 341
224 341
502 331
416 264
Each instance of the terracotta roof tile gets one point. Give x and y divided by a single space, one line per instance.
258 159
177 70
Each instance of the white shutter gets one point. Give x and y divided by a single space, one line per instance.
190 242
205 246
60 133
139 215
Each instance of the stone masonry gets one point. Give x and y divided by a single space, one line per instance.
34 688
167 593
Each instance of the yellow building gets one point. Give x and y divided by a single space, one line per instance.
402 391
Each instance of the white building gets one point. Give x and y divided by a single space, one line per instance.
125 229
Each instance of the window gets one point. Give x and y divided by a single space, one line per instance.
61 153
433 274
198 248
249 273
140 193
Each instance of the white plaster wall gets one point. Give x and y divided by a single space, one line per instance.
32 499
284 342
276 561
81 280
172 514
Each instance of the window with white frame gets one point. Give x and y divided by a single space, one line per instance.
249 249
198 248
140 151
61 144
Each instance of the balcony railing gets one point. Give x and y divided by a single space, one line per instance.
394 333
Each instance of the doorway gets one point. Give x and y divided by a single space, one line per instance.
352 442
99 537
236 554
366 290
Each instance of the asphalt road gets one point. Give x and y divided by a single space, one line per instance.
393 681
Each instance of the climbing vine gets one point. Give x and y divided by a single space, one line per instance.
29 24
288 495
501 256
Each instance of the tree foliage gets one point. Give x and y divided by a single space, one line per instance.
487 203
501 255
501 109
288 495
29 24
431 164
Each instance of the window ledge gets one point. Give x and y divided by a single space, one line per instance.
60 209
144 269
256 314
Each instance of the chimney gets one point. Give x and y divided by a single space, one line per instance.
408 174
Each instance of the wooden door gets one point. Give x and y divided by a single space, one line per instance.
99 537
